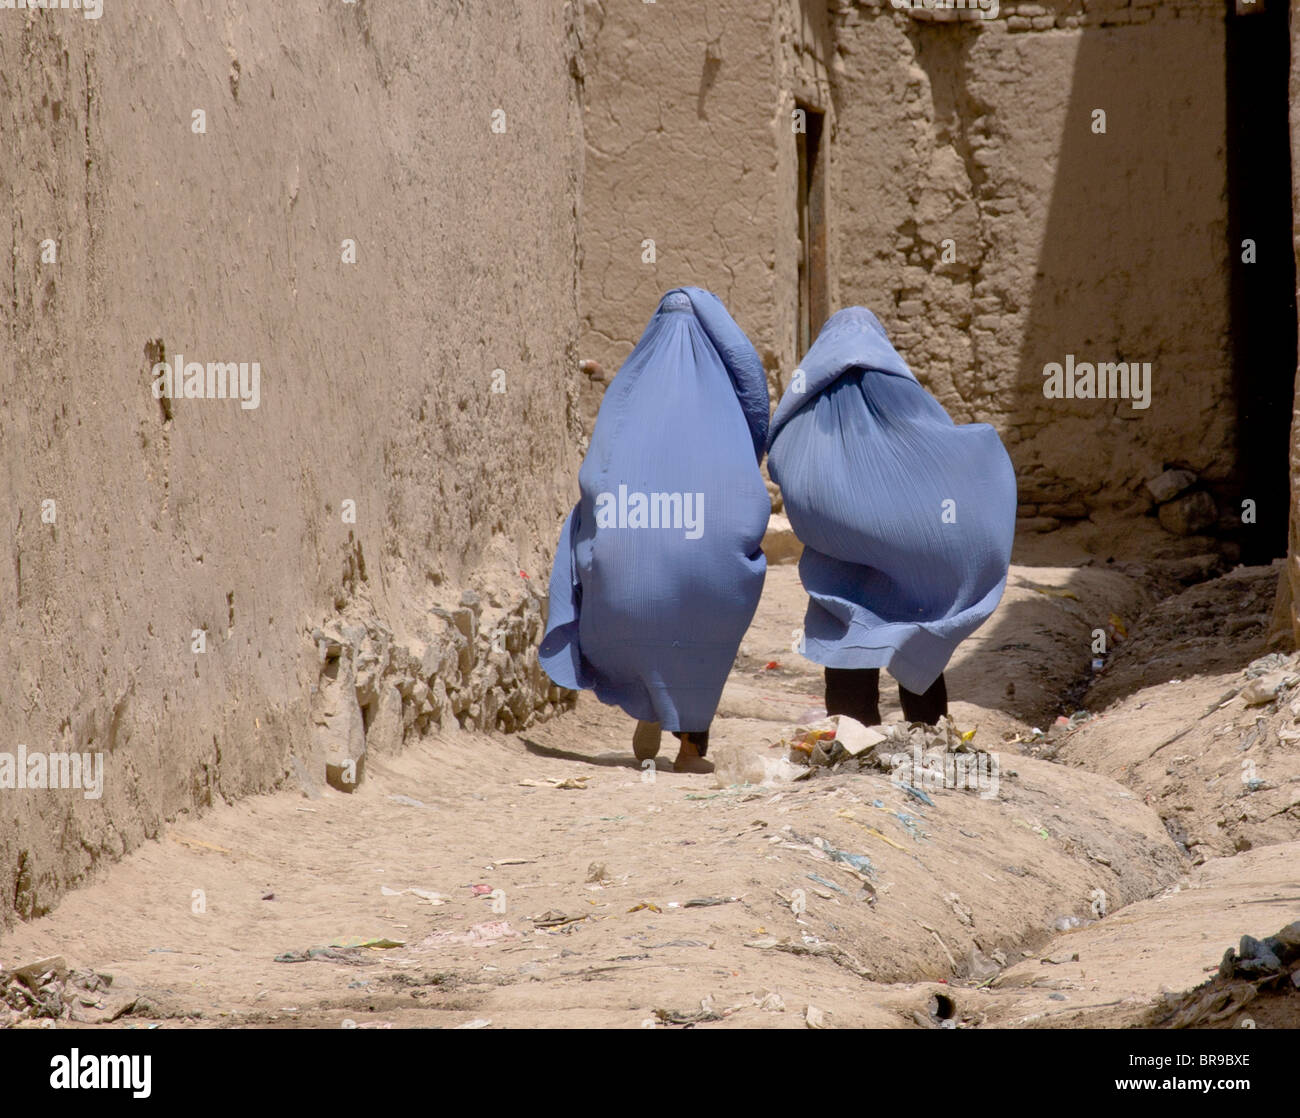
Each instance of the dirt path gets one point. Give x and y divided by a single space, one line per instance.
622 897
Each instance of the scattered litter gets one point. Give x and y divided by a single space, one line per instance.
917 794
350 956
689 1017
706 902
377 942
647 905
829 950
571 782
479 935
743 770
857 738
480 890
426 895
828 884
909 825
514 861
553 919
859 862
814 1018
1265 688
844 813
478 1022
1273 662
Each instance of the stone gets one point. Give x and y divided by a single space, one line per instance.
338 728
1285 944
329 642
1188 514
1037 524
1165 487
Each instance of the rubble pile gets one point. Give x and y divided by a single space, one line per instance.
476 666
38 994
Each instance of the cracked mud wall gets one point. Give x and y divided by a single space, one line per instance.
1109 247
689 144
324 123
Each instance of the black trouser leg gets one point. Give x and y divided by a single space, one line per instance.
855 692
699 739
928 708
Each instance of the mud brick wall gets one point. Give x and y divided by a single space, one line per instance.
1061 239
375 205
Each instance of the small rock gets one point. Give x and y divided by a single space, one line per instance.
1286 944
980 967
1188 514
1165 487
814 1018
1037 524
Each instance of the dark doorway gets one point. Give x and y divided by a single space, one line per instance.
1263 305
812 226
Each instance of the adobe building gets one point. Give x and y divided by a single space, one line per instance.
1094 187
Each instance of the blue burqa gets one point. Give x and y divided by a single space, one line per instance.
660 565
906 518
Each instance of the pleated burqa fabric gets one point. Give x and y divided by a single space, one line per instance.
906 518
659 566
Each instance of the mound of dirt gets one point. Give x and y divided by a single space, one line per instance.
1216 755
1258 986
1211 627
1130 968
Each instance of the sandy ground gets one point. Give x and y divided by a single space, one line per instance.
561 885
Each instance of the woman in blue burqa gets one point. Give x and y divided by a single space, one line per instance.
906 519
659 566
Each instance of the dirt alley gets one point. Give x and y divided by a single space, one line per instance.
559 885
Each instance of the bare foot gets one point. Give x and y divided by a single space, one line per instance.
689 759
645 741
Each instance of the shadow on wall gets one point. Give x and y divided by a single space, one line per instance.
1133 282
1096 158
